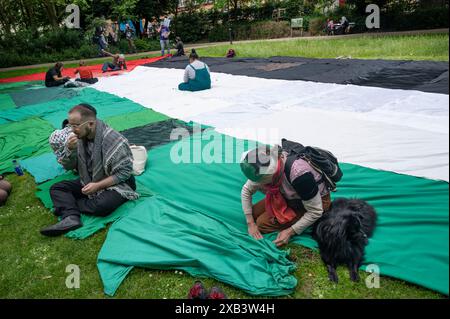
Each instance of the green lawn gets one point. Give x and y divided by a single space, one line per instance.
33 266
433 47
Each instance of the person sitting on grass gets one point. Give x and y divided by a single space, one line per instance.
5 190
54 77
196 75
85 74
179 46
104 161
117 64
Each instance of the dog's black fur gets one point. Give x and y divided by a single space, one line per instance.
342 234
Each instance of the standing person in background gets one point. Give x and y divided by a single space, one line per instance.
166 21
129 36
115 28
149 30
100 40
155 28
164 33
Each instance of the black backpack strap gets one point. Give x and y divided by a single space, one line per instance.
290 159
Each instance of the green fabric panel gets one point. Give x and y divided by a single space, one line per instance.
91 224
134 119
214 187
56 111
43 167
43 190
6 102
411 239
23 140
162 234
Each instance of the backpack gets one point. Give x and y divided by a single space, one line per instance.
231 53
321 160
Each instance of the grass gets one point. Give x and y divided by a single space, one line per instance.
434 47
34 266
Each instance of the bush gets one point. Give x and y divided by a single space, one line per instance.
146 45
426 18
26 47
268 30
316 25
251 31
88 50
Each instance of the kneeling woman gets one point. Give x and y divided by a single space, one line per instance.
196 75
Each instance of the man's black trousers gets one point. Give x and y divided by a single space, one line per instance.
69 200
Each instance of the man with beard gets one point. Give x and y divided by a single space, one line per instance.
104 163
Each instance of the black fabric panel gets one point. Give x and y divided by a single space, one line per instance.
426 76
154 134
35 96
305 186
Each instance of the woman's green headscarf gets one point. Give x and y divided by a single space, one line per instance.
259 162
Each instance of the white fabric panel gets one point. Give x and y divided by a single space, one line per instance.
396 130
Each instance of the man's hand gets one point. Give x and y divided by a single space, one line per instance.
254 231
284 236
72 142
90 189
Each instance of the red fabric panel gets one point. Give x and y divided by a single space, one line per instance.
96 71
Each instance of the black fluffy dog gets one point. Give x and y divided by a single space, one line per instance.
342 234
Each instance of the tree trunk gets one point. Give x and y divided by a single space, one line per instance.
51 13
5 20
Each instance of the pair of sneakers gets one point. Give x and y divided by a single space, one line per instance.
198 291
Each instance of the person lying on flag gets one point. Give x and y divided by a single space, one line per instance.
117 64
289 207
103 159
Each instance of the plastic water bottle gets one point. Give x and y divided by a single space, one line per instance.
17 168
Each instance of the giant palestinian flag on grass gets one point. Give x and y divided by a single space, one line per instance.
386 121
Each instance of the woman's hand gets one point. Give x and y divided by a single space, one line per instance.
254 231
284 236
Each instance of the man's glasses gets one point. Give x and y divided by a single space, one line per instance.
74 126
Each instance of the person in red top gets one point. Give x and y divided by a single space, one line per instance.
85 74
